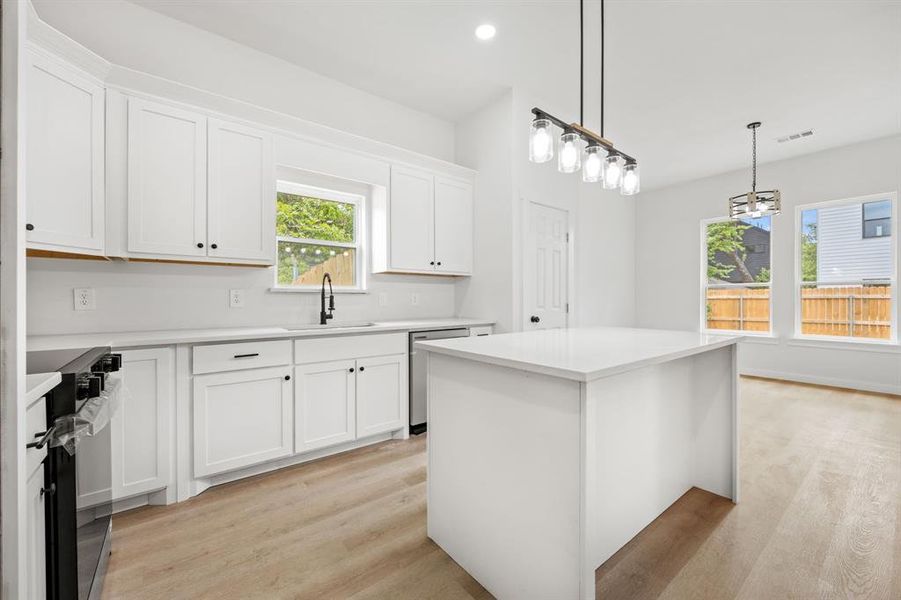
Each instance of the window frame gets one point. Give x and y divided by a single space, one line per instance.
892 197
864 220
704 285
358 245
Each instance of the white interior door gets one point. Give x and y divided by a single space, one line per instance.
546 268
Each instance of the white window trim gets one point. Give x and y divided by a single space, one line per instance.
703 291
796 292
358 245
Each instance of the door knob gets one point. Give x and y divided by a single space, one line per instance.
534 319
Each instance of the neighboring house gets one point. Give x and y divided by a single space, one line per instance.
851 247
757 244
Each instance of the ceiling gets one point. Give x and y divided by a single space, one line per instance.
683 77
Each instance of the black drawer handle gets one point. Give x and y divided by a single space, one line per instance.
251 355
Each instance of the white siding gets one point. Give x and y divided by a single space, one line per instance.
843 254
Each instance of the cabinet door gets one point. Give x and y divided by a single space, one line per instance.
166 180
64 162
241 418
453 226
381 394
141 426
324 404
241 215
35 561
411 226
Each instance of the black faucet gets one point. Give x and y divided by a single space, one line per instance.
325 316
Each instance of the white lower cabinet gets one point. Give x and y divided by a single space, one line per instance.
36 564
344 400
241 418
381 392
141 429
324 404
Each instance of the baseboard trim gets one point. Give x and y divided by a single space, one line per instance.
848 384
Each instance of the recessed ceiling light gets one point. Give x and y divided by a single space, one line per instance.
485 31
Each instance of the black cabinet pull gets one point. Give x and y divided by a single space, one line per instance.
351 369
200 244
287 378
29 227
534 319
439 263
362 369
49 490
432 263
247 355
214 246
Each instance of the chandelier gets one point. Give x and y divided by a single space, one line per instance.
581 148
754 204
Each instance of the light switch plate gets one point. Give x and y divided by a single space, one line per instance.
84 299
383 299
414 299
236 298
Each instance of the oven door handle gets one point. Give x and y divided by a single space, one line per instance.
44 438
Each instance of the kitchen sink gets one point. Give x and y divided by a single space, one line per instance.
345 325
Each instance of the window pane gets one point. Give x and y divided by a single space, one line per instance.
876 228
314 218
739 308
739 251
305 264
877 210
860 311
842 254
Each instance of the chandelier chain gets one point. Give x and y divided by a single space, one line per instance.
754 159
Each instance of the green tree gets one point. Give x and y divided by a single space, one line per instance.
726 238
763 275
809 253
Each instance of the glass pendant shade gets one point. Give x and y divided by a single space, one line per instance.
541 142
631 180
592 164
613 171
569 155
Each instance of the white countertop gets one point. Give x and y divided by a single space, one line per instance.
39 384
581 354
130 339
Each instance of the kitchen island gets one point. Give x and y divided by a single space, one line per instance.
549 450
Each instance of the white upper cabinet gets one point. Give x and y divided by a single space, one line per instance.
453 226
411 220
166 180
65 153
241 216
424 225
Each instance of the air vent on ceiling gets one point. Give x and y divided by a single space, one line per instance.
795 136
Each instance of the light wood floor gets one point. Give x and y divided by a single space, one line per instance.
820 517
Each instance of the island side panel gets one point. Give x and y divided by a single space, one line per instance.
504 476
651 435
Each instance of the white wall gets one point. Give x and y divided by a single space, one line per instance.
134 37
668 248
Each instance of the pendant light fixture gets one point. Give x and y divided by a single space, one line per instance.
578 147
754 204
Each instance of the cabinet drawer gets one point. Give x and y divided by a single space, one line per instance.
344 347
35 422
243 355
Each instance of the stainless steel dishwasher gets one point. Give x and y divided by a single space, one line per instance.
418 374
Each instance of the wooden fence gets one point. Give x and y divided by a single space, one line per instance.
340 267
842 311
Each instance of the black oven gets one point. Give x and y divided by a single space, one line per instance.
78 471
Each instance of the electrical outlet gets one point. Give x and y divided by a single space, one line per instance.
414 299
383 299
85 299
236 298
